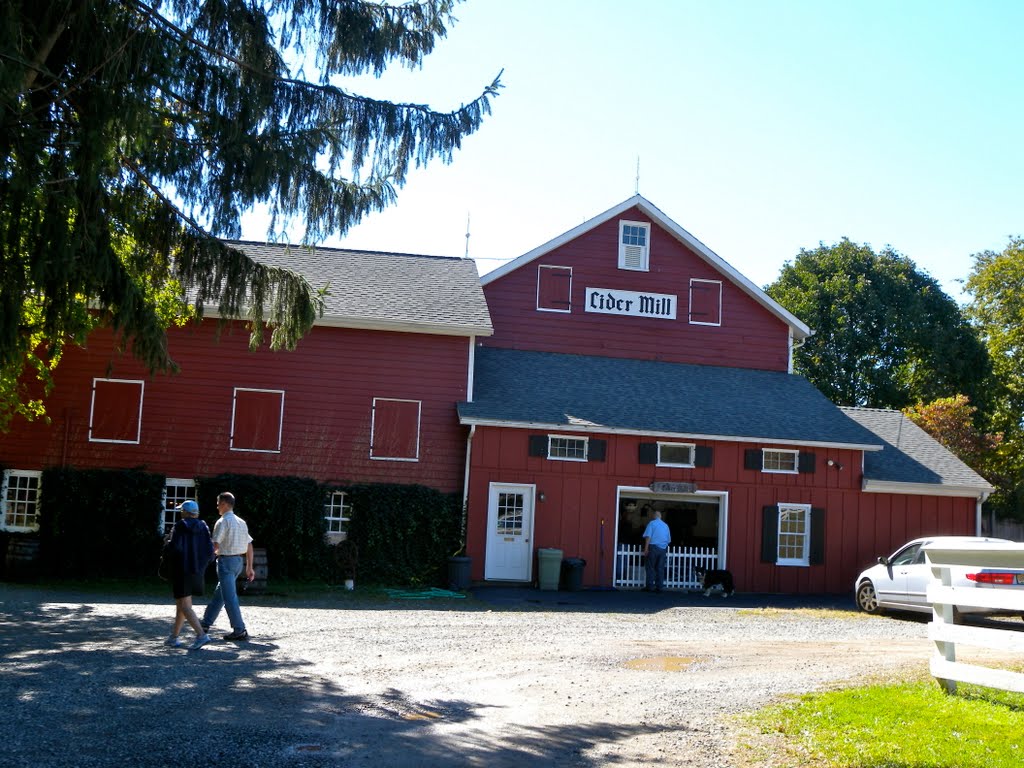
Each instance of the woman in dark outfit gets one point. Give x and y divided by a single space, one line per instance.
190 552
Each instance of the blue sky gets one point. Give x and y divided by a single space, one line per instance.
761 127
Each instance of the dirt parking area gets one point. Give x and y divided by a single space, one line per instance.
501 678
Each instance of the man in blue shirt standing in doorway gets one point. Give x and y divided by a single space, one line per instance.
656 539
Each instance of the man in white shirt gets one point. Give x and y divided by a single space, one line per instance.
231 543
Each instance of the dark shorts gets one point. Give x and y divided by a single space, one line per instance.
186 584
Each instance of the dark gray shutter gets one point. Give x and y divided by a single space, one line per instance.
752 459
817 553
539 445
806 462
648 453
770 534
703 455
596 449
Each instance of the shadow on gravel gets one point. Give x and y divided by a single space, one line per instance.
81 687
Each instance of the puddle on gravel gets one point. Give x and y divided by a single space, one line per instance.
662 663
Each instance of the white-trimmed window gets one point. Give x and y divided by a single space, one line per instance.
794 542
705 302
779 460
176 490
564 448
115 411
395 429
634 245
676 454
19 500
554 288
256 419
337 513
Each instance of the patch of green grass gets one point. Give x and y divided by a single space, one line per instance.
813 613
907 725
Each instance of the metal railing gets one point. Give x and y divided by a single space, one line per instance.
679 565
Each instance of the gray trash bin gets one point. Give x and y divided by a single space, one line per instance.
549 566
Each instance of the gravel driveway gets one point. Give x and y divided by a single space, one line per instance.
505 678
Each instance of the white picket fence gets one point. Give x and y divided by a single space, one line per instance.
947 635
679 565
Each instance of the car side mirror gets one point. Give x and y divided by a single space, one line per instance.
883 560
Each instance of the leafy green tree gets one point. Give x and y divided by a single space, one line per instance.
885 333
133 134
996 284
951 421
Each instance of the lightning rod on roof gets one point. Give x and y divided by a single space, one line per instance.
467 234
636 188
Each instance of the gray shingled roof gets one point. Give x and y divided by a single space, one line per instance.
371 289
910 454
639 396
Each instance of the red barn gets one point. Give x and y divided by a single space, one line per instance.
619 369
368 396
631 369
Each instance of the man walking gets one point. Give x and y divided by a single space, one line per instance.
231 543
656 539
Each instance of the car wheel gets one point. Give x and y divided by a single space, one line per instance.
867 600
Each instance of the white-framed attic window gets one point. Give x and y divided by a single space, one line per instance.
676 454
634 245
566 448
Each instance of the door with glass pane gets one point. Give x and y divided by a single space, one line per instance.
509 532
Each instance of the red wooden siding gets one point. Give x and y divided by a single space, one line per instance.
256 420
749 336
396 429
330 382
579 514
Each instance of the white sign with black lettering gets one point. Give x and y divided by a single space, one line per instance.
611 302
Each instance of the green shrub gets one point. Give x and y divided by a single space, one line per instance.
285 515
99 522
404 533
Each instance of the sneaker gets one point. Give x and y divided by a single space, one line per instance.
173 642
200 642
237 635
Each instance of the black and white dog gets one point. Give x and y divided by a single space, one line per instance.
712 580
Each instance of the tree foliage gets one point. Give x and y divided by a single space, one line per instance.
951 421
996 284
133 135
885 334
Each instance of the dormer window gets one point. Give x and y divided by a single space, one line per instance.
634 245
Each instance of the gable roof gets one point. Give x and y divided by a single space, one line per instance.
387 291
580 393
798 328
911 460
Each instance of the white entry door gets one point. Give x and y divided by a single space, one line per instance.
509 533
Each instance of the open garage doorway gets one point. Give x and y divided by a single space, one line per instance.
697 522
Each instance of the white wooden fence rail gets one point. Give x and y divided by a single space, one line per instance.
679 565
947 635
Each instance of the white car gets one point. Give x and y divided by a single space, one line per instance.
900 581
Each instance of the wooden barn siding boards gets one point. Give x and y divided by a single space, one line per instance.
329 381
750 336
858 526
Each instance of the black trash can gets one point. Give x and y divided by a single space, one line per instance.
572 573
459 573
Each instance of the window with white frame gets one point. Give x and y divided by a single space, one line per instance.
115 412
19 500
705 302
554 288
257 416
676 454
634 245
395 429
779 460
794 534
176 490
337 513
567 448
